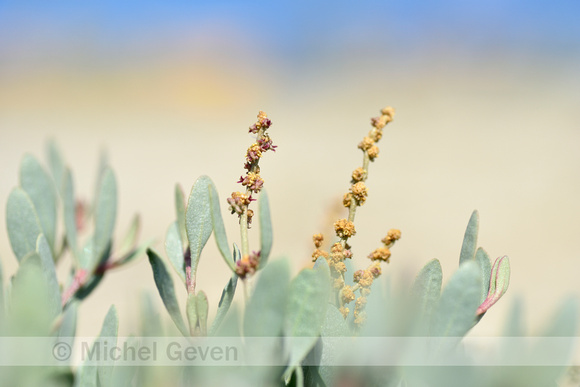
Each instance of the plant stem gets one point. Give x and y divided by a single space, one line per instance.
244 233
246 295
79 280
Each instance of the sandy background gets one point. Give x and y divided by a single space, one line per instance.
484 121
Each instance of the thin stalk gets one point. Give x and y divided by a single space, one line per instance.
244 234
244 216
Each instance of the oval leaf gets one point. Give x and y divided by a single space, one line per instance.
308 299
202 308
226 298
56 164
174 249
485 265
264 314
470 239
180 211
498 283
105 215
427 289
22 223
31 313
68 325
49 272
198 221
265 228
129 241
166 290
108 333
191 312
455 314
219 230
69 213
39 186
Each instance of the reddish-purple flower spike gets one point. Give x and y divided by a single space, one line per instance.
498 284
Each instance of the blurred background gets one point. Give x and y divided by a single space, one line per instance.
487 97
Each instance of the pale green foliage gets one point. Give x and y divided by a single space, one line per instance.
296 316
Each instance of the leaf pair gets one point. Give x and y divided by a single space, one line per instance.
494 282
452 313
197 309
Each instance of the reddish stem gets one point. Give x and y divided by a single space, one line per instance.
79 280
189 277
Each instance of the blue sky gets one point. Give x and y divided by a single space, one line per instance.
300 26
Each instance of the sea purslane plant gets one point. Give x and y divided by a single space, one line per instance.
323 327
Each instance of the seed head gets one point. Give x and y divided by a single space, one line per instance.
253 181
375 269
366 143
347 294
382 253
317 238
359 192
344 228
347 200
366 279
388 111
373 152
340 267
319 253
238 202
358 175
253 153
392 235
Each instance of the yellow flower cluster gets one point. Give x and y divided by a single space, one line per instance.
344 229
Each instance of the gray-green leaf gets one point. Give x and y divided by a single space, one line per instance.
166 290
470 239
191 312
264 314
40 188
427 289
30 312
69 213
49 273
108 332
202 307
56 163
308 298
105 214
482 259
174 249
226 298
68 325
129 241
22 223
265 228
219 230
455 312
180 211
198 221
